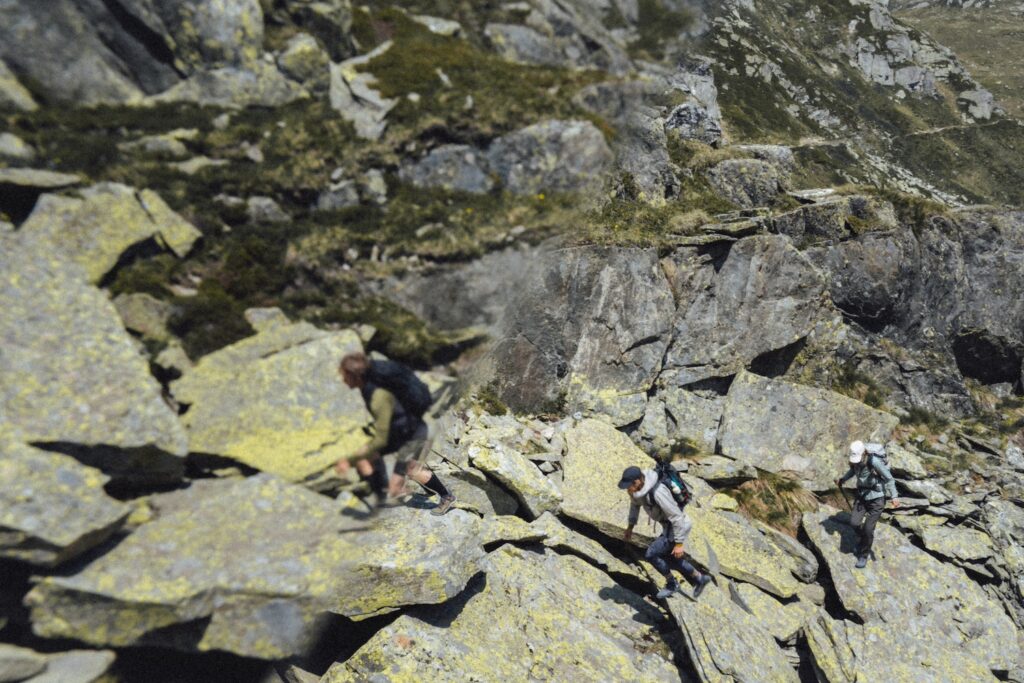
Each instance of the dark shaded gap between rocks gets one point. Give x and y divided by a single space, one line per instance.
160 665
777 362
717 253
18 202
988 358
151 41
807 672
875 323
139 251
205 466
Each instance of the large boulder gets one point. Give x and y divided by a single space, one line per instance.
945 608
109 219
194 579
746 182
275 401
235 87
551 156
765 296
51 507
595 456
726 643
459 168
779 426
72 378
589 324
560 619
845 652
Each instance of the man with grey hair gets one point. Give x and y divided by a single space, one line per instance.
875 483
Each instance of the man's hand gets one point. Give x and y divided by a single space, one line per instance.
628 536
894 503
677 551
342 467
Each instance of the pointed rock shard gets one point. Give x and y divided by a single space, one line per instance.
535 491
13 94
155 587
776 425
560 619
352 95
51 507
726 644
71 375
944 605
275 401
19 663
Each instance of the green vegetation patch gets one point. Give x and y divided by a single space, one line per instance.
778 500
659 27
851 382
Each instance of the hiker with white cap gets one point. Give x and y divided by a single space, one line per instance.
875 484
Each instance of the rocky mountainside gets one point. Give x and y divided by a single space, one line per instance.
735 235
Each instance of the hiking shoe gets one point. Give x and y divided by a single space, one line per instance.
444 506
862 562
703 581
670 588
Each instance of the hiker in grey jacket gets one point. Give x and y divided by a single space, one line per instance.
666 551
875 484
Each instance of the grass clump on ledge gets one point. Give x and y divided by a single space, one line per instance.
778 500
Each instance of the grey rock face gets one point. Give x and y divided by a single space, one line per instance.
552 156
980 629
303 60
522 44
746 182
338 196
255 85
51 507
13 94
452 167
765 296
590 321
777 426
353 96
15 149
72 376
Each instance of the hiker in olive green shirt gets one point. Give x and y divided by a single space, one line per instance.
396 429
875 483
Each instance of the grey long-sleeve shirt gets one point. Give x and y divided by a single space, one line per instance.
872 477
673 520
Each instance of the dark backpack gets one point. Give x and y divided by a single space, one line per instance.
408 389
669 477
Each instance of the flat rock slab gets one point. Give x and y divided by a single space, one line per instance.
71 374
75 666
779 426
846 652
596 454
726 644
909 589
52 507
249 565
510 467
37 179
96 230
560 620
275 401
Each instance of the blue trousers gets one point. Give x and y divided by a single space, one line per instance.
659 554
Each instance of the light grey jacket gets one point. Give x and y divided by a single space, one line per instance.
674 522
874 479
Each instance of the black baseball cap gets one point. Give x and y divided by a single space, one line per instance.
629 475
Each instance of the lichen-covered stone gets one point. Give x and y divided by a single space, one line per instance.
110 218
353 96
475 491
563 539
913 593
71 374
510 467
958 543
303 60
720 470
275 401
256 561
19 663
451 167
560 619
13 94
51 507
37 179
144 314
847 652
596 454
726 644
551 156
255 85
783 620
779 426
746 182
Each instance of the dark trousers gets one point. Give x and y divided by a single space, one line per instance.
864 518
659 554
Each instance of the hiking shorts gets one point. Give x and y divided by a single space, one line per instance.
412 451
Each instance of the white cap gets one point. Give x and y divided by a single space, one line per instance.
856 452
